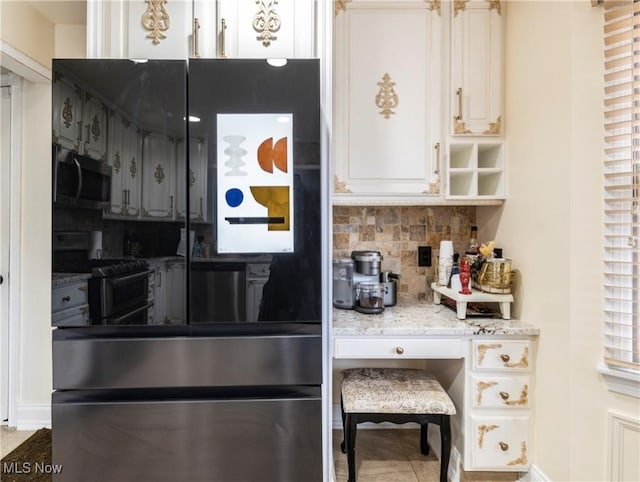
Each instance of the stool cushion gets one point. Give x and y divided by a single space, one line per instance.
393 390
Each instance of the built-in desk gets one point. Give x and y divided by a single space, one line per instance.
485 364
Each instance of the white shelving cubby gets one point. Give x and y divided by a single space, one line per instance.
475 170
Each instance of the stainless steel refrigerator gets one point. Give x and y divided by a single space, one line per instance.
198 354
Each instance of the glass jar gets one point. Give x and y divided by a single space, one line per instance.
370 295
495 274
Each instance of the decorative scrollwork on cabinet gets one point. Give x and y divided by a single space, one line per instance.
387 98
156 20
267 21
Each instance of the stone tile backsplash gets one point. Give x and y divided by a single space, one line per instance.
397 231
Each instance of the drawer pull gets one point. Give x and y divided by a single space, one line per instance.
505 358
504 395
66 299
399 350
504 447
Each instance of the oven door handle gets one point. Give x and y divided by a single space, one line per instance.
119 319
131 277
79 177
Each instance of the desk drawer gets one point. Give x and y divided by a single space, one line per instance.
397 348
501 355
69 295
500 392
500 442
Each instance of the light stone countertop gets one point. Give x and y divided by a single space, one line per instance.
423 318
59 279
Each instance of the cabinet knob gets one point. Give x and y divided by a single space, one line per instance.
503 446
399 350
505 358
66 299
504 395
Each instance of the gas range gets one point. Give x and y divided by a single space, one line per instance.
106 268
103 268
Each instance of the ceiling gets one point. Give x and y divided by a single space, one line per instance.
68 12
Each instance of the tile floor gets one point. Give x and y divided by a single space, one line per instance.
383 455
10 438
393 455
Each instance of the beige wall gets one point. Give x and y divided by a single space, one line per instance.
71 41
551 226
26 30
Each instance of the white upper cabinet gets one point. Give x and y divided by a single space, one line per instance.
124 149
79 121
151 29
180 29
387 101
132 178
197 180
476 90
94 128
266 28
67 114
158 171
116 159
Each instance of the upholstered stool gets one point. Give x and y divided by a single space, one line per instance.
397 395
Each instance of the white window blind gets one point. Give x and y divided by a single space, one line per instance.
622 182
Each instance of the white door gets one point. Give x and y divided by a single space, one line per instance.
5 156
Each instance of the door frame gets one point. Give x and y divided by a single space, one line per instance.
24 69
10 328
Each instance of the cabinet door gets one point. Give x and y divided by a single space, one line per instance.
67 114
254 297
476 62
152 29
94 128
158 157
151 296
132 180
175 293
197 179
158 29
159 309
266 28
117 160
387 99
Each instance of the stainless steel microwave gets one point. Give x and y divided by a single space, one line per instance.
80 181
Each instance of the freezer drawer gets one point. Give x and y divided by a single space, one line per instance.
275 436
132 362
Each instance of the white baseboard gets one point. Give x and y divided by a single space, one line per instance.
33 417
534 475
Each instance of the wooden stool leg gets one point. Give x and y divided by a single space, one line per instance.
445 442
350 438
424 444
